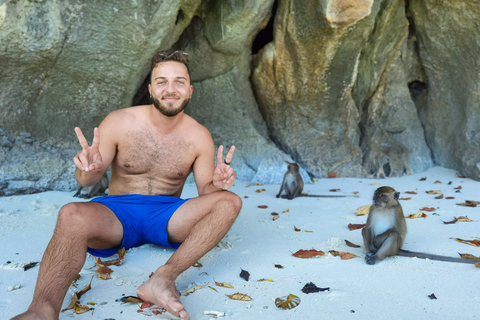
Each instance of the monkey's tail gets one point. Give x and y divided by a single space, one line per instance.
421 255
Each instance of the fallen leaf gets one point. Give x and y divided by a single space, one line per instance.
278 266
263 207
239 296
77 295
449 198
469 203
409 198
258 191
313 180
213 288
461 219
192 290
458 188
410 192
352 245
363 210
285 211
258 184
311 288
296 229
130 299
375 184
475 243
79 309
274 214
429 209
469 256
332 175
245 275
308 253
343 255
309 231
419 214
356 226
103 272
334 190
269 280
224 284
289 302
438 181
434 192
275 218
432 296
117 262
423 179
439 197
461 176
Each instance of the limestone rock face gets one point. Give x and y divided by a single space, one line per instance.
357 87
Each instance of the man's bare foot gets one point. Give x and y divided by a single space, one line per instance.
161 290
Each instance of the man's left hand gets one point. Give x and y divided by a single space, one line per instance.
224 176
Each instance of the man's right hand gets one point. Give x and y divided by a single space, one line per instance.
89 159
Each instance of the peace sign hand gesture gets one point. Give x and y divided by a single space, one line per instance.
89 159
224 176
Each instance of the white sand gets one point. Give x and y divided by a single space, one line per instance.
396 288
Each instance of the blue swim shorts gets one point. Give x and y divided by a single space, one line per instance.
144 219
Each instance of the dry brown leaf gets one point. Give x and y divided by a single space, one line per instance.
79 309
356 226
477 265
458 188
469 256
434 192
334 190
285 211
191 290
103 272
419 214
409 198
410 192
469 203
438 181
77 295
308 253
352 245
363 210
463 219
347 255
296 229
475 243
275 217
423 179
223 284
375 183
131 299
461 176
313 180
439 197
258 191
263 206
429 209
239 296
289 302
449 198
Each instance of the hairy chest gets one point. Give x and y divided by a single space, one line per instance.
145 153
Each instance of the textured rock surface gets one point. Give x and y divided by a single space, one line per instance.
370 87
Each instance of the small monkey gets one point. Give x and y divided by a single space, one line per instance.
386 228
98 189
293 185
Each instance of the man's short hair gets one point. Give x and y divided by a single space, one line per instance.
169 55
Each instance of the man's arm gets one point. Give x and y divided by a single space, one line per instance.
93 161
209 178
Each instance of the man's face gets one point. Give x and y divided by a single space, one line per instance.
170 88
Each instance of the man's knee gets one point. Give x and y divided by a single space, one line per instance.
232 202
72 215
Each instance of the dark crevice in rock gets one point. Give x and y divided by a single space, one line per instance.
416 88
266 35
180 17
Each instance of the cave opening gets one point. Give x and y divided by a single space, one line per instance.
416 88
266 34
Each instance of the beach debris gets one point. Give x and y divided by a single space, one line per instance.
356 226
475 243
352 245
214 314
129 299
296 229
192 290
334 190
263 279
239 296
312 288
449 198
432 296
469 203
419 214
461 219
213 288
197 264
423 179
278 266
438 181
289 302
434 192
375 184
103 271
263 206
75 304
286 210
150 309
260 190
439 197
245 275
30 265
343 255
15 287
410 192
458 188
305 254
428 209
468 256
363 210
409 198
223 284
461 176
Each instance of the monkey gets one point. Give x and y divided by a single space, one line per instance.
293 185
98 189
386 228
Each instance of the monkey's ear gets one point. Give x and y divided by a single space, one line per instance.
396 195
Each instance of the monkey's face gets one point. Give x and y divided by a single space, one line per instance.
385 196
293 168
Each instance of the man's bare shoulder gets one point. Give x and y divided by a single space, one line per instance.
195 130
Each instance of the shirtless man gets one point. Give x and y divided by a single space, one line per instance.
152 149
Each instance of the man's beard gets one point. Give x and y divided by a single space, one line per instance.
167 111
